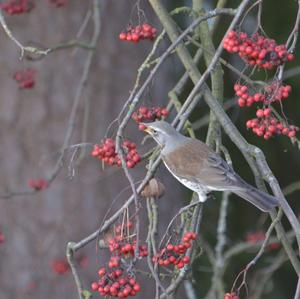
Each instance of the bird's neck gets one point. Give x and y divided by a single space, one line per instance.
174 142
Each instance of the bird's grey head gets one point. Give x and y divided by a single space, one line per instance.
163 133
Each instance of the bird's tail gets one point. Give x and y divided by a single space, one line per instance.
260 199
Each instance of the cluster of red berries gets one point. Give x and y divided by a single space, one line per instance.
137 33
60 266
116 284
120 244
58 3
267 125
175 254
14 7
25 78
38 184
114 280
106 152
149 114
271 93
2 238
257 49
255 237
231 295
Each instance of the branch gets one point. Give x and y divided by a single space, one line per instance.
23 49
214 131
71 261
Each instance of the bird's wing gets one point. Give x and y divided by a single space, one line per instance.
219 175
209 169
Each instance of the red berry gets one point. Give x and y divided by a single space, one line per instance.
101 271
172 259
94 286
292 134
170 247
122 36
122 281
166 262
135 37
128 37
142 127
132 281
186 259
267 112
187 245
241 102
249 124
164 112
272 129
130 164
143 110
257 97
146 27
290 57
136 158
260 113
137 287
126 292
285 131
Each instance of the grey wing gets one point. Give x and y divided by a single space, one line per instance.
219 175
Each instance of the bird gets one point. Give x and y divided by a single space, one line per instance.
202 170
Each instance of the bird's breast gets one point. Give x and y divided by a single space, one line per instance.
192 185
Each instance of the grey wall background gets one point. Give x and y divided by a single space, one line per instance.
32 128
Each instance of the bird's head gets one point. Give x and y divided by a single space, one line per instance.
162 132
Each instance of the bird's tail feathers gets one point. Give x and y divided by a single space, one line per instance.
260 199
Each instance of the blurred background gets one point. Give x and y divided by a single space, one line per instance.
33 124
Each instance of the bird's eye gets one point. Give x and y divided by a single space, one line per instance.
154 132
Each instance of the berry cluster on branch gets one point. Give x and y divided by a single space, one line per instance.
38 184
270 94
138 33
15 7
115 283
120 245
231 295
255 237
175 254
266 124
60 266
106 152
25 78
2 238
257 50
149 114
116 280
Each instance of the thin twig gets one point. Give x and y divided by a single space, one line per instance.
23 49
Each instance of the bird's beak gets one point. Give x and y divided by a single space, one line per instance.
147 129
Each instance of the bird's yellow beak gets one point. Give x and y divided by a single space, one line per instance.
147 129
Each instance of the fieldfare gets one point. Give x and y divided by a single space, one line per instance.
202 170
